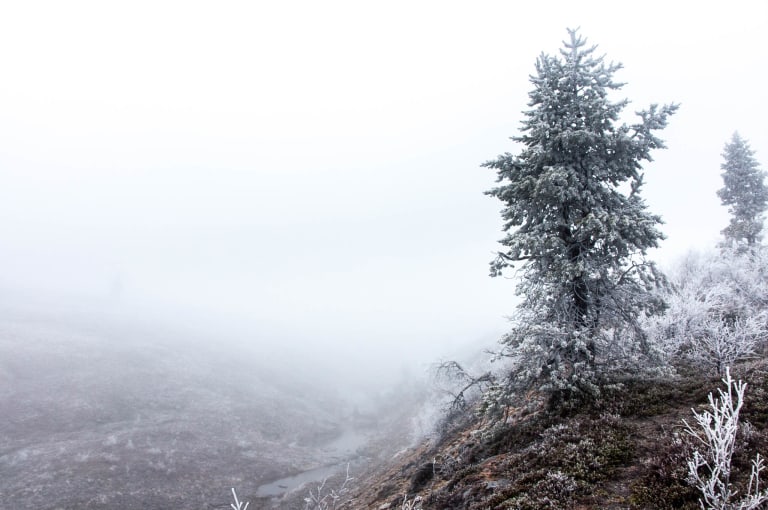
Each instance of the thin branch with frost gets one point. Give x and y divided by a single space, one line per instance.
238 505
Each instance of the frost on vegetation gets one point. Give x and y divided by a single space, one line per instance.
555 490
577 231
411 504
427 423
710 468
721 343
460 391
716 306
460 385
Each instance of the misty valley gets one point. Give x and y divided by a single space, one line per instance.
100 411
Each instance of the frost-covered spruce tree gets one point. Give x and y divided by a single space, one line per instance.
577 228
744 192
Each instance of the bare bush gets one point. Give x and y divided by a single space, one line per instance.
462 386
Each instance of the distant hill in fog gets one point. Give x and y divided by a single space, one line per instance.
102 412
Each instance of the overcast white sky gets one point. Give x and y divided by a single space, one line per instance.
312 168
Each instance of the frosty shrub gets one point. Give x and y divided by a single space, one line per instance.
744 274
577 229
716 306
710 468
720 342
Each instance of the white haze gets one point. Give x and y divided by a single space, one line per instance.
304 176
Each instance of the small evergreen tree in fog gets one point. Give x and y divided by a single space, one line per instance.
744 192
577 228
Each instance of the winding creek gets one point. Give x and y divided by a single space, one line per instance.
341 450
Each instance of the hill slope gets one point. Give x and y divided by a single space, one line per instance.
627 450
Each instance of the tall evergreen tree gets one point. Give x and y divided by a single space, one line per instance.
577 228
744 193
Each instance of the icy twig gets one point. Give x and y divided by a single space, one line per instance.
238 505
